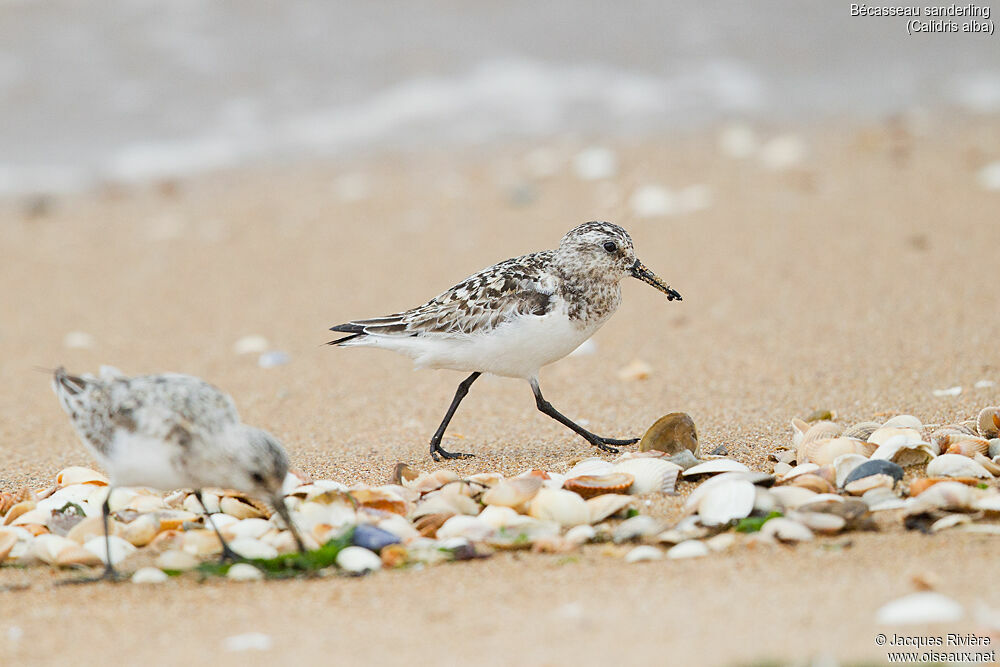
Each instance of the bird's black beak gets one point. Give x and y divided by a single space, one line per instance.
645 275
282 509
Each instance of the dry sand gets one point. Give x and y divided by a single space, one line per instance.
859 281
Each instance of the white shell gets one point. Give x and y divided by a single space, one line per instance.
249 528
251 548
142 530
149 575
80 475
120 549
244 572
581 534
859 487
956 465
652 475
603 506
591 466
688 549
845 465
715 466
786 530
643 553
636 527
819 522
904 421
358 559
176 560
564 507
904 451
881 498
733 499
513 492
920 609
801 469
792 497
942 496
471 528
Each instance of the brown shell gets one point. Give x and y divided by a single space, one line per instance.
588 486
813 482
403 472
429 523
378 499
6 502
918 486
988 422
671 434
966 445
861 430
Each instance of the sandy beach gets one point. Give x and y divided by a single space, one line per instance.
859 280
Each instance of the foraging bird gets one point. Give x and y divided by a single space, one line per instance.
516 316
171 431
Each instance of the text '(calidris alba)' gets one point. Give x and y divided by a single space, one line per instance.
515 317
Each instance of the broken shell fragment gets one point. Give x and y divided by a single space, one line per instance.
813 482
906 452
860 487
942 496
845 465
241 507
803 432
955 465
672 433
588 486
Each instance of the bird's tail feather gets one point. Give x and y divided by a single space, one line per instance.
355 331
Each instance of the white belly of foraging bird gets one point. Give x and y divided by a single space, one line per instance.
139 461
515 349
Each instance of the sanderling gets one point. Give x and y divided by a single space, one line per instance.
515 317
172 431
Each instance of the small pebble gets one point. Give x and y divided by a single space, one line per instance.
244 572
251 345
950 391
358 560
149 575
643 553
720 451
595 163
984 384
372 537
176 560
273 358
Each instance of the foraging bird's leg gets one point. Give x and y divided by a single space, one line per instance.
228 555
436 450
282 509
109 573
592 438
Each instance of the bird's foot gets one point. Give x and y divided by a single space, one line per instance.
437 454
109 575
229 556
615 441
599 443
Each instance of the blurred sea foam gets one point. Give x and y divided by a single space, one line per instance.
131 90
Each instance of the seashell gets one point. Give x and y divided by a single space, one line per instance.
685 459
427 482
636 528
642 553
940 435
235 529
46 548
989 502
949 521
176 560
487 479
887 433
725 502
211 506
820 522
515 492
954 465
965 445
792 497
920 609
876 467
785 530
603 506
635 370
394 555
36 516
782 469
765 502
403 473
942 496
428 524
880 498
672 433
437 502
588 486
691 503
8 538
119 551
994 448
591 466
244 572
499 516
356 560
80 475
686 529
845 464
149 575
91 527
201 542
688 549
988 422
920 485
992 467
821 430
714 467
650 475
7 501
564 507
813 483
904 421
141 532
252 549
824 452
17 509
801 469
581 534
861 430
175 519
899 449
860 487
242 507
145 502
720 542
380 499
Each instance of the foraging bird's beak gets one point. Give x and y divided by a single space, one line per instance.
645 275
282 509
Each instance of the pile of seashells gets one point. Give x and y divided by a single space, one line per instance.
841 477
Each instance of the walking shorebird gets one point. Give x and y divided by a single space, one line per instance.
169 432
516 316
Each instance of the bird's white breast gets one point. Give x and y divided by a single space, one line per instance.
136 460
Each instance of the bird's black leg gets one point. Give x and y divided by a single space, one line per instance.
436 450
228 555
603 444
109 574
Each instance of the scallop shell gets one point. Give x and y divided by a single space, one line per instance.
601 507
8 538
514 492
591 466
589 486
955 465
942 496
564 507
804 433
672 434
990 465
904 421
80 475
813 482
861 430
730 500
17 510
823 452
651 475
988 422
966 445
903 451
715 466
427 482
887 433
921 484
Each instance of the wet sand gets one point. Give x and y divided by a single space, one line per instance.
859 281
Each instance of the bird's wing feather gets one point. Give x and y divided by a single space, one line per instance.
478 304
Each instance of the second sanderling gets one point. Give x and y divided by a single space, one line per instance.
514 317
172 431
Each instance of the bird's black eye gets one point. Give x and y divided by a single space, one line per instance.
611 246
257 477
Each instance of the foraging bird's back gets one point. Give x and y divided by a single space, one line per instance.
169 431
514 317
